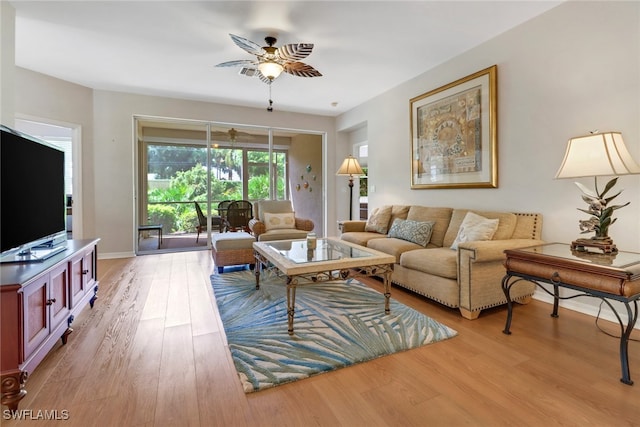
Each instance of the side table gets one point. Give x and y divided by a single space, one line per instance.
609 277
151 227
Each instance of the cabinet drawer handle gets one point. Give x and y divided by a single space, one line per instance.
555 278
85 271
51 301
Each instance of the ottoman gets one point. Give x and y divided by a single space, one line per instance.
234 248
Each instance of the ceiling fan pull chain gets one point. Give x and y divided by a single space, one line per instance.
270 107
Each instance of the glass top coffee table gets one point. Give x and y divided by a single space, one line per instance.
331 259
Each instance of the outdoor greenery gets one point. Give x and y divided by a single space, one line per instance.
173 206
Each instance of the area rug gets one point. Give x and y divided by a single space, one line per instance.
337 324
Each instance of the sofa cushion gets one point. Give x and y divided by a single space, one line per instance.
378 222
418 232
282 234
441 262
273 206
398 212
274 221
361 238
506 225
440 217
475 227
393 246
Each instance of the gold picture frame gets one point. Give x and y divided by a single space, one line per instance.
454 141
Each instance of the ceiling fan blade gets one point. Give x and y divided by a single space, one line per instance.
248 45
294 52
301 69
239 63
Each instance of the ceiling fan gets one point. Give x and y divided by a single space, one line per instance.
271 61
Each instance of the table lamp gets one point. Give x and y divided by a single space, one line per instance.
350 167
597 154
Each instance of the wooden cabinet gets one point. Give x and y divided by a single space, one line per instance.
83 276
38 302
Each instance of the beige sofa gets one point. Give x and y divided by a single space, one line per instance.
468 278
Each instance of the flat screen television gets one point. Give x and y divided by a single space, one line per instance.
32 198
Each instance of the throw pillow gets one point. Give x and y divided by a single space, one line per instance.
378 222
417 232
475 227
274 221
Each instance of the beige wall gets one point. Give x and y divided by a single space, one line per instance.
44 97
308 202
560 75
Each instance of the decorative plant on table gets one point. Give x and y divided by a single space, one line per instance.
601 214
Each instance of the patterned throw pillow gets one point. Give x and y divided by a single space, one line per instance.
378 222
418 232
273 221
475 227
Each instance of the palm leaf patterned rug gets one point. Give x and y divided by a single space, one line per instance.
336 324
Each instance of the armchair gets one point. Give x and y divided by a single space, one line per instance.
275 220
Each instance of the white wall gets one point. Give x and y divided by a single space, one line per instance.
7 61
114 150
571 70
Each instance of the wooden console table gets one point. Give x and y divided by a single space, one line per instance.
609 277
38 302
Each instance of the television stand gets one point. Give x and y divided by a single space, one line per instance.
38 303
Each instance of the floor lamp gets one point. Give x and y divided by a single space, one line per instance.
350 167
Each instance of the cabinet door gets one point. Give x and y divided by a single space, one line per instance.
59 307
77 279
36 317
89 268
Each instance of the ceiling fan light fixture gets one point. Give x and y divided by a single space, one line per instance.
270 69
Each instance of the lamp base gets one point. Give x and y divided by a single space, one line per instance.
605 244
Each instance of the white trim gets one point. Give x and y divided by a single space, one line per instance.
116 255
590 310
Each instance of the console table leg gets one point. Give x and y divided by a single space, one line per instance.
93 299
624 343
12 389
556 299
506 289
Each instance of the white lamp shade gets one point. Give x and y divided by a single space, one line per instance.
600 154
350 167
270 69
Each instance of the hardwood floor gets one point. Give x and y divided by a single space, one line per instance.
152 352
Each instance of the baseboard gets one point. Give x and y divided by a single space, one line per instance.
114 255
588 309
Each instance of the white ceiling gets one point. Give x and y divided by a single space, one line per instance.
362 48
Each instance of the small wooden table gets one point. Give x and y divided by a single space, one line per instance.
151 227
606 276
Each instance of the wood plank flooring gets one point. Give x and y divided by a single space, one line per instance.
152 352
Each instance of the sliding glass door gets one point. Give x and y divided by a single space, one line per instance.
183 166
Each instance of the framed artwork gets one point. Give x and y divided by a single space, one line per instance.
454 142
